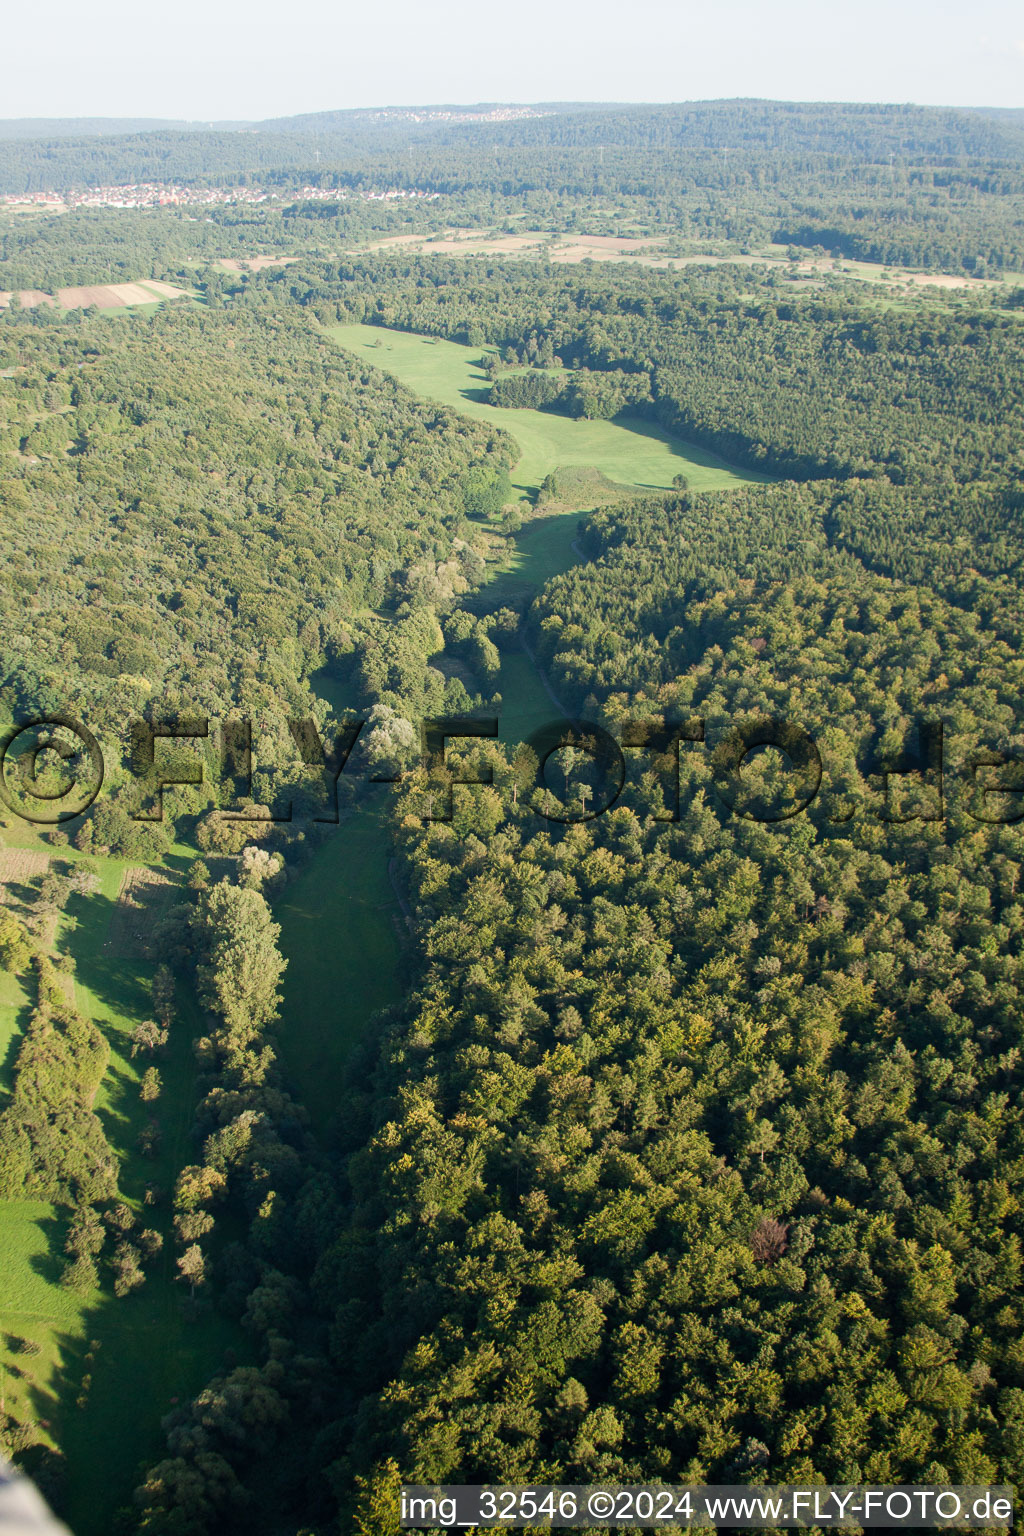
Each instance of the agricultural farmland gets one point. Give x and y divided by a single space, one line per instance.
102 295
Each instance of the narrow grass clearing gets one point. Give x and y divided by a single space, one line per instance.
338 930
629 450
139 1353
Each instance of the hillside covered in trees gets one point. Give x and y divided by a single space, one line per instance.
201 510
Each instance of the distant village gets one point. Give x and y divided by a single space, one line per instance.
452 114
151 194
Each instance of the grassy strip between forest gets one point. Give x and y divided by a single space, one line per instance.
339 921
72 1358
628 450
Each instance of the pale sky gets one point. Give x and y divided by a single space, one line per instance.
206 58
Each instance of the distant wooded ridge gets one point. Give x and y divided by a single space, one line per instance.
860 127
306 122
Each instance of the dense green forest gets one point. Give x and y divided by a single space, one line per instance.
95 245
204 507
697 1147
691 1148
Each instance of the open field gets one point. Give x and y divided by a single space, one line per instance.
254 263
102 295
527 243
34 1309
628 450
20 864
162 290
542 549
14 1006
895 276
341 940
30 298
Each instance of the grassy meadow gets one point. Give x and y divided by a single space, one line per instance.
628 450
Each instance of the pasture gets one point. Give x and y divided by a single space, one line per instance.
541 550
